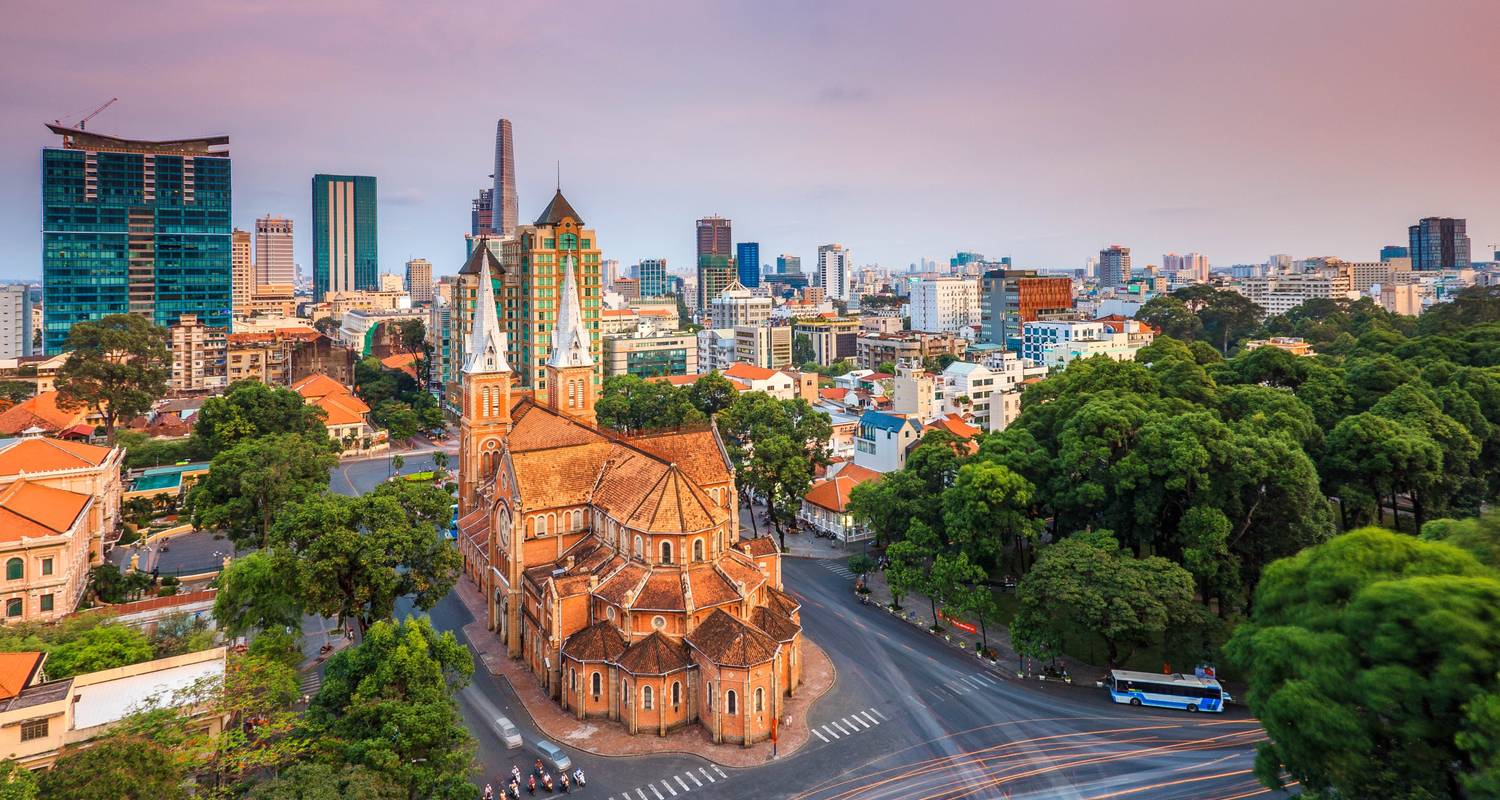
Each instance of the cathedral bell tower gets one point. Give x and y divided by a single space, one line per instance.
484 420
570 369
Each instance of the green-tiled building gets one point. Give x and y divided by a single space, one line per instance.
131 226
345 249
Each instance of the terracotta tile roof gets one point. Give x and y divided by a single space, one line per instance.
560 476
696 452
710 589
17 671
955 425
617 587
741 569
773 624
757 547
643 494
749 372
728 642
781 602
536 427
31 510
40 454
318 385
474 525
601 641
655 312
861 474
40 411
661 592
676 380
617 312
342 409
655 655
833 493
401 362
835 394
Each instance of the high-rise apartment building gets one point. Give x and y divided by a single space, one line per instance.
198 356
1010 298
273 252
747 256
944 305
15 320
715 258
1192 267
1114 266
482 213
1391 251
345 254
833 271
736 305
132 226
419 280
506 207
787 264
241 272
1439 243
652 274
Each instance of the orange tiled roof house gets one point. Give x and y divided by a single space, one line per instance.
612 565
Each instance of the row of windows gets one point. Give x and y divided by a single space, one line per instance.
15 568
15 606
1173 689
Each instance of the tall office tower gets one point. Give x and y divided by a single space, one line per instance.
1010 298
715 258
419 280
1439 243
15 320
241 272
833 271
1114 266
747 256
1191 267
1391 251
482 214
134 226
345 256
652 273
503 198
787 264
273 252
610 270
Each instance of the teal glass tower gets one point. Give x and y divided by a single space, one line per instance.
345 256
132 226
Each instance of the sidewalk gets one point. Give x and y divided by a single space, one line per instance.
916 608
605 737
803 544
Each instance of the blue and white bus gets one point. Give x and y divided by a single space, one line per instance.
1191 692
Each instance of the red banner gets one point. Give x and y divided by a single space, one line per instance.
958 623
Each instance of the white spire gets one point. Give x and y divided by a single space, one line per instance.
486 350
570 338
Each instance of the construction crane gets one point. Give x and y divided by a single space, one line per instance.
96 112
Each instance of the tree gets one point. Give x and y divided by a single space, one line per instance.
906 571
774 445
398 418
115 768
802 349
951 580
251 483
440 460
1227 315
712 393
99 648
387 704
1362 656
118 366
317 781
17 391
17 782
106 583
1172 317
634 405
249 410
988 508
357 555
258 592
1086 584
328 326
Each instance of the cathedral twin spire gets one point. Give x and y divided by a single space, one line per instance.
570 337
486 347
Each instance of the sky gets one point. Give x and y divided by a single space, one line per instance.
1041 130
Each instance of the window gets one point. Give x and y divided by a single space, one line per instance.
34 729
646 698
13 607
666 552
658 622
46 602
47 566
539 526
676 693
639 550
625 692
710 695
14 570
731 702
760 699
572 679
598 685
697 549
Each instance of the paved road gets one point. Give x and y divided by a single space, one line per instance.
363 475
186 554
910 717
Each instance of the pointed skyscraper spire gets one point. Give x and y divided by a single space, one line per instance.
570 338
486 346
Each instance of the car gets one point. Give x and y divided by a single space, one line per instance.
508 733
554 756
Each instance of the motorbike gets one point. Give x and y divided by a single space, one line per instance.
563 779
578 777
531 785
546 781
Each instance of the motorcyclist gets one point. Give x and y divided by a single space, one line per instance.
563 778
531 785
578 776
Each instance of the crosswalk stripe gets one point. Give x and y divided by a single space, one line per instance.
830 732
684 786
694 778
870 717
820 735
856 718
974 679
882 716
721 772
641 793
836 724
986 680
961 688
847 724
669 788
657 792
706 775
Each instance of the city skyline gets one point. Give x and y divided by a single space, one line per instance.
1030 175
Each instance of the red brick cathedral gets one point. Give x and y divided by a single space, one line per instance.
612 564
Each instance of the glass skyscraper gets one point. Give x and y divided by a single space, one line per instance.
1439 243
747 256
652 273
136 227
345 255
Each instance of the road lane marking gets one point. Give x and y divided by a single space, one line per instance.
839 724
657 792
642 794
695 779
871 718
669 788
987 680
721 772
820 735
877 713
830 732
856 718
706 775
684 786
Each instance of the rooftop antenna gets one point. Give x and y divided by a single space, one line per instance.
559 175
